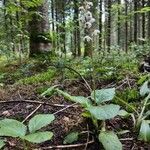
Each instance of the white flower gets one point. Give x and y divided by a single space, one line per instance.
88 25
81 8
82 19
87 7
87 38
92 20
88 15
95 33
90 3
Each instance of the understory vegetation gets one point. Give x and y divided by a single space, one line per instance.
74 75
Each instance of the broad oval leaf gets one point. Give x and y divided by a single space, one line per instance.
85 102
144 133
11 127
70 138
2 144
38 137
39 121
104 112
103 95
110 140
144 89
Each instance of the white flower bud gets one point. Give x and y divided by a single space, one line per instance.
92 20
82 19
88 25
90 3
95 33
81 8
87 38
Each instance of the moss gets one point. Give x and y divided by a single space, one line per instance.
129 95
39 78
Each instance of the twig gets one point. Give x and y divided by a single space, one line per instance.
33 102
126 139
88 135
128 82
31 113
87 85
64 109
67 146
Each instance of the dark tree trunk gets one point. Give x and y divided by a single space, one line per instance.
109 26
100 25
135 21
77 49
148 26
126 26
143 21
39 30
118 24
131 24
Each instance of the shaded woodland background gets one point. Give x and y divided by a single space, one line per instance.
29 27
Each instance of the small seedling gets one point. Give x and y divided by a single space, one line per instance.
30 133
96 109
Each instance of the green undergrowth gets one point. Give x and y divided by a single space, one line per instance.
114 67
46 76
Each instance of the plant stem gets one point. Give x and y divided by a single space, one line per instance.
128 105
143 109
24 145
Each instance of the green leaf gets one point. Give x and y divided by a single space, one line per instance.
85 102
38 137
104 112
144 89
70 138
39 121
143 79
103 95
64 94
2 144
11 127
144 133
86 114
110 141
81 100
123 113
49 91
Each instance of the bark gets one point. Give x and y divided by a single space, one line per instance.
135 21
148 26
143 21
118 24
77 48
126 26
39 30
109 26
100 25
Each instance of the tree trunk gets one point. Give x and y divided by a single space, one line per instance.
77 48
135 21
143 21
118 24
109 26
126 26
100 25
39 30
148 26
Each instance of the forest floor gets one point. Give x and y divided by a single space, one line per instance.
21 102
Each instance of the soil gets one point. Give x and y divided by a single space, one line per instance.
20 101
